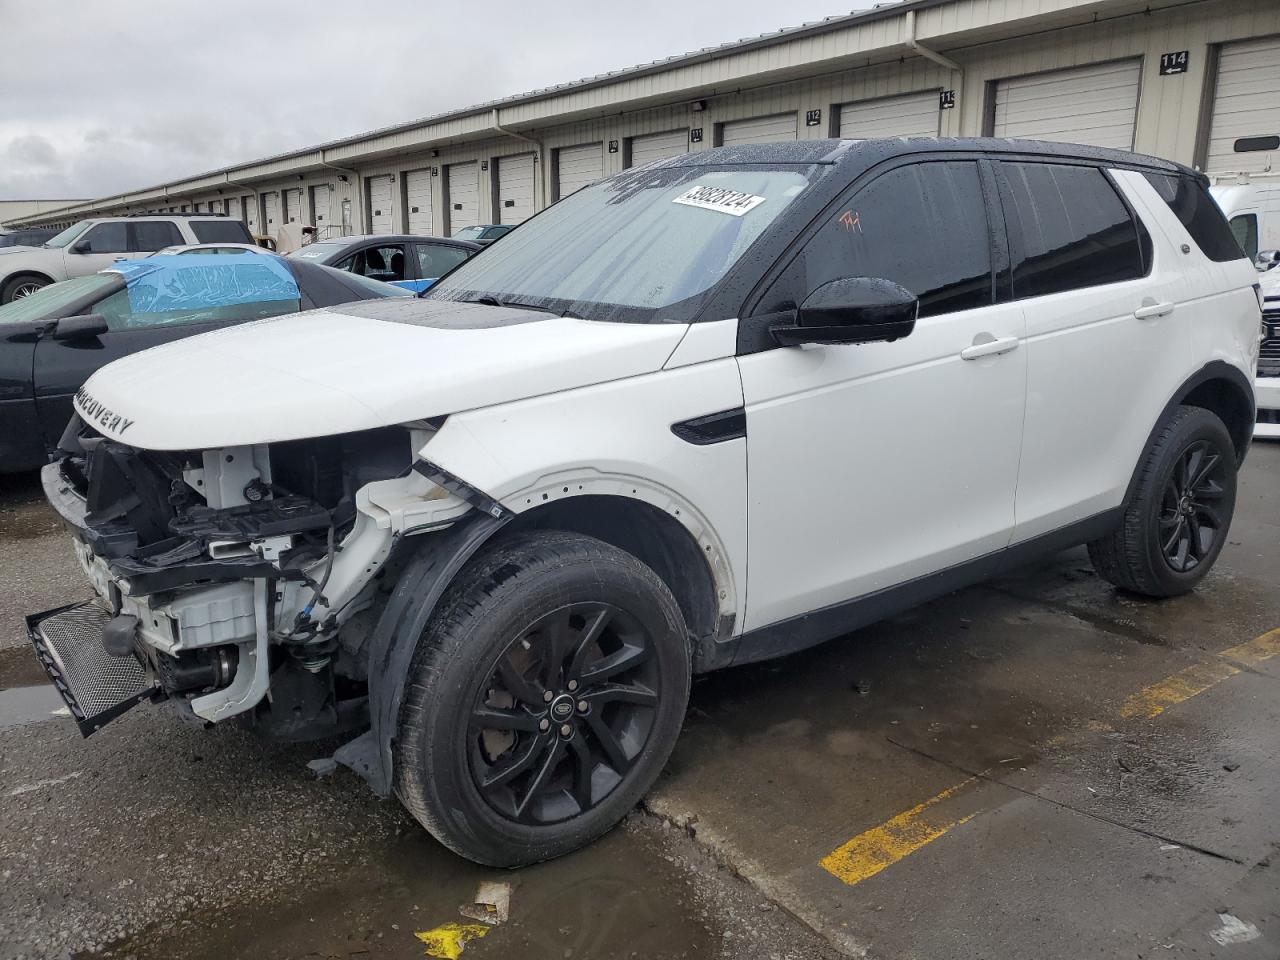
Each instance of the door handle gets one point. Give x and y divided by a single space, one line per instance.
1150 309
985 345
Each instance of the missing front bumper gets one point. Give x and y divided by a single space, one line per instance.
96 686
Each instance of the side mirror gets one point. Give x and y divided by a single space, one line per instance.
1267 259
82 246
855 310
80 328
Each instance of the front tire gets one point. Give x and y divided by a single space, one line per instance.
22 286
1176 524
543 700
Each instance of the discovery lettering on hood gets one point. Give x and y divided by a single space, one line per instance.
94 412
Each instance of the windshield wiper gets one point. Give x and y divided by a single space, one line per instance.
493 301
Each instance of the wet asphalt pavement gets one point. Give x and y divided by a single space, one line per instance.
1040 767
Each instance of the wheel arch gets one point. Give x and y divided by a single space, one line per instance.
17 274
1223 390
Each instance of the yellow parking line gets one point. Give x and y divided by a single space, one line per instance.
1255 651
1183 685
1196 679
868 853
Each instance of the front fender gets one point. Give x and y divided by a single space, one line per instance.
616 439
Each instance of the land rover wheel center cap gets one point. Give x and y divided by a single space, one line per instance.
562 708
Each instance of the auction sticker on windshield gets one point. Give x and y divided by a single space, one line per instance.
720 199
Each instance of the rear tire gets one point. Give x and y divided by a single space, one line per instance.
15 288
543 700
1176 524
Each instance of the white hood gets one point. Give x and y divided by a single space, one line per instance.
340 370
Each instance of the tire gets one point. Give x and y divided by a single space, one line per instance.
20 286
1168 541
533 629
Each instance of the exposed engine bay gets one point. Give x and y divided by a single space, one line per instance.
246 580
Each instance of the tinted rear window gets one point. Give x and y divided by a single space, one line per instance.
220 231
1191 203
1071 229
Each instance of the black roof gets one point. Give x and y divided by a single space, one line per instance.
866 153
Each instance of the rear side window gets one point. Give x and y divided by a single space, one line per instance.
1191 203
152 235
220 231
922 226
1244 229
436 259
1068 229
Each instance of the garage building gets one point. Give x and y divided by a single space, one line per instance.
1184 79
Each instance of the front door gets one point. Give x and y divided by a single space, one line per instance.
873 465
100 246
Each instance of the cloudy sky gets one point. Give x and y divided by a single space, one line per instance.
98 98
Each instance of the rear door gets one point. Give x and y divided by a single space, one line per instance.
1106 340
148 236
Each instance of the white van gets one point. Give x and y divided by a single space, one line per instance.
1251 203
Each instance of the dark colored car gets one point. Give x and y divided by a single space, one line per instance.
408 261
484 233
27 236
51 341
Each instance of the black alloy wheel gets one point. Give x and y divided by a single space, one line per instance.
1189 521
569 705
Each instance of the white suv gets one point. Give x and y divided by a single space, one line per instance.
708 411
91 245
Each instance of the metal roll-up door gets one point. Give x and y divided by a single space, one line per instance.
215 206
320 204
578 166
515 188
293 205
912 115
772 129
464 195
233 208
380 217
1095 105
417 195
1246 103
658 146
251 214
271 208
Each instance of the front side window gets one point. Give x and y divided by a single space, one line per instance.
1068 229
152 235
107 238
378 263
642 246
922 226
1196 209
436 259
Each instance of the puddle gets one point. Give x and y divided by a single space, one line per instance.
618 898
20 668
20 705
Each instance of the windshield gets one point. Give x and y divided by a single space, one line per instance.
319 251
46 304
638 247
468 233
69 234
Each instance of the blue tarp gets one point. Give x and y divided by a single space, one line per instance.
197 281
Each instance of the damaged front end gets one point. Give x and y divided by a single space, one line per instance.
236 582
